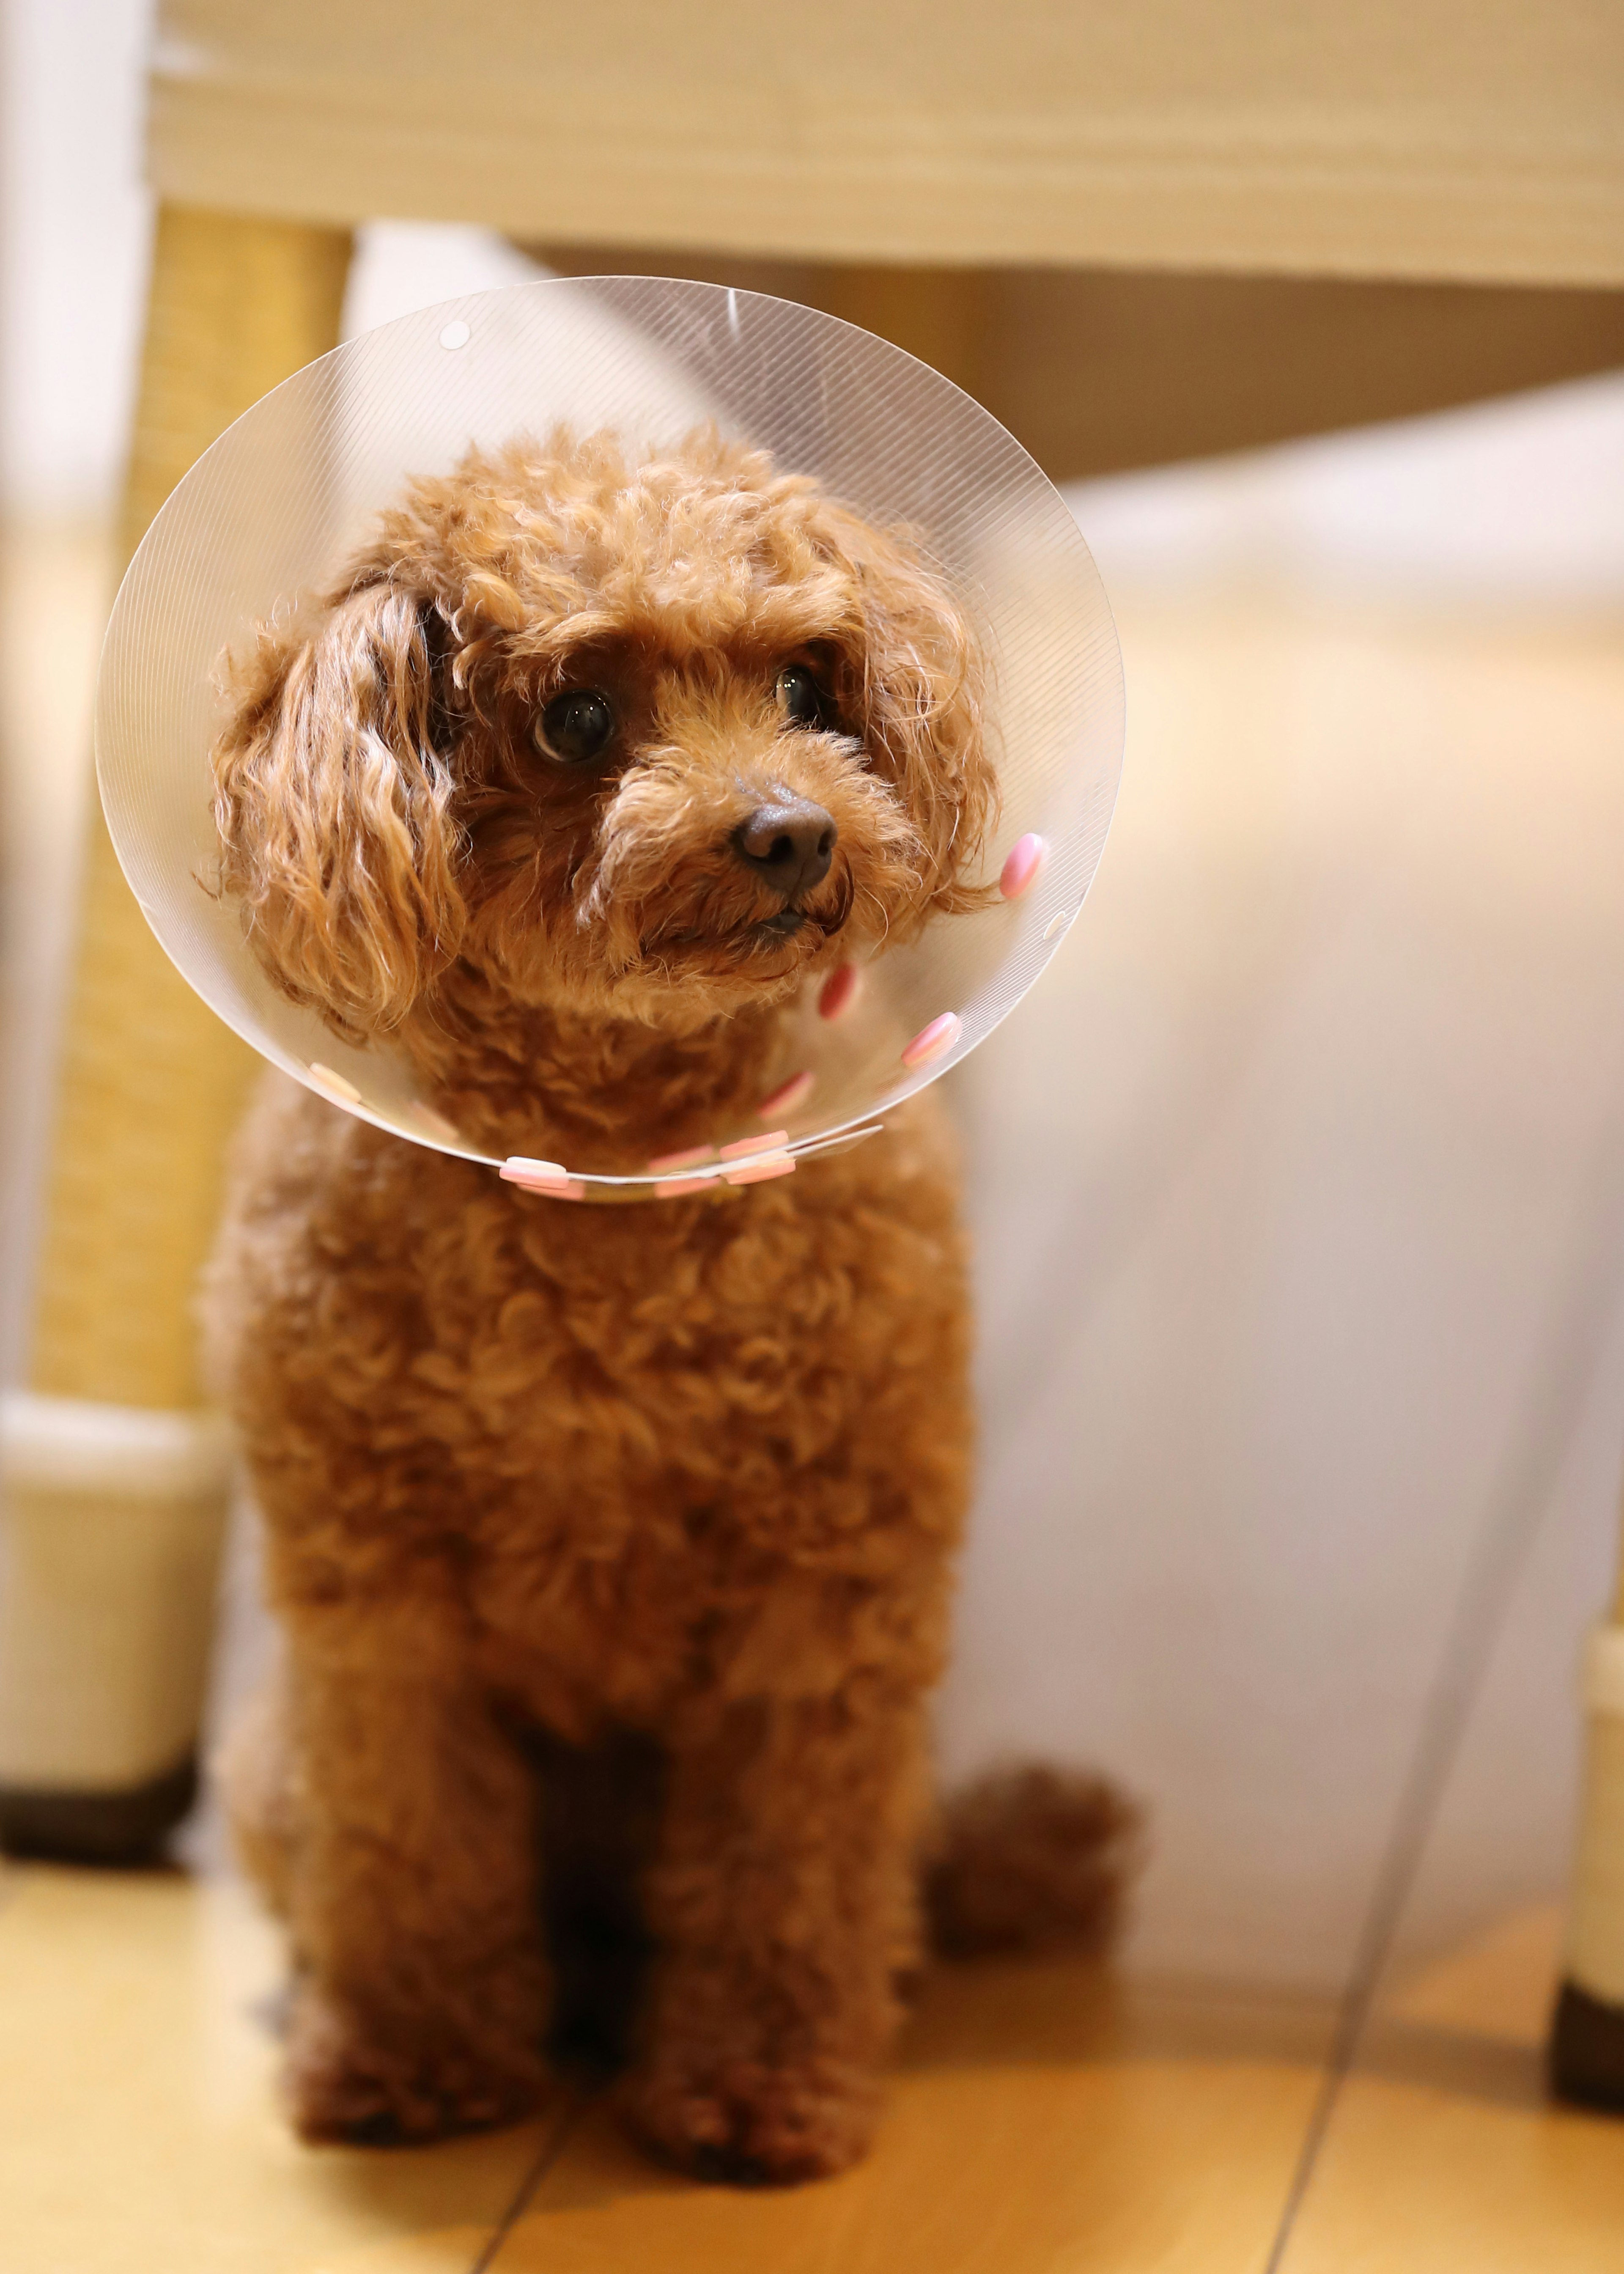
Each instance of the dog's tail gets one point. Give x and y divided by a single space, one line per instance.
1031 1859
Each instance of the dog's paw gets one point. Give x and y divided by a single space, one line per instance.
747 2123
345 2081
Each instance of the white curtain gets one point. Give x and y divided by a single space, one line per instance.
1298 1186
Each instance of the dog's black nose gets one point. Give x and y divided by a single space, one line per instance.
790 845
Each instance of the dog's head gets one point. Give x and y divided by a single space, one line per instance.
649 740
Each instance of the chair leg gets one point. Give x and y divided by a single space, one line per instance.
115 1480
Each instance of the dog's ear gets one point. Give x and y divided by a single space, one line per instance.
333 805
915 680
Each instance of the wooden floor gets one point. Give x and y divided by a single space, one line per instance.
1042 2120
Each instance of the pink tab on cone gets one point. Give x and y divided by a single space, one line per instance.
932 1041
743 1145
549 1177
788 1094
675 1186
838 991
756 1172
1027 855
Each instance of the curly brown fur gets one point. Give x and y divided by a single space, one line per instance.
690 1474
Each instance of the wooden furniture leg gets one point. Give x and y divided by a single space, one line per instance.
1587 2034
116 1480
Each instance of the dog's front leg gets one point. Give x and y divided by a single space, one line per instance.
420 2005
783 1904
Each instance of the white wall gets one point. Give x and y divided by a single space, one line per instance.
1513 504
73 235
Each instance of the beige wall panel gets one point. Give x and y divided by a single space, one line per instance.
1418 138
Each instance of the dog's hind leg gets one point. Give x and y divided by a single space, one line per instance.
421 2005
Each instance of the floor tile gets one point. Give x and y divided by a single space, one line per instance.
1044 2118
139 2128
1444 2151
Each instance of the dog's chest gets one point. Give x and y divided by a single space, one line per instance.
621 1440
683 1423
635 1342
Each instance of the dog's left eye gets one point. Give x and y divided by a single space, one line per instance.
576 727
800 694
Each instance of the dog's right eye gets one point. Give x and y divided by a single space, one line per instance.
576 727
800 694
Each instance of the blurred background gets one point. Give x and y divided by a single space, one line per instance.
1299 1185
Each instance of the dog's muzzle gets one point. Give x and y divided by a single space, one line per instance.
789 845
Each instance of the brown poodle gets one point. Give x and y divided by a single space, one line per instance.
613 1544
